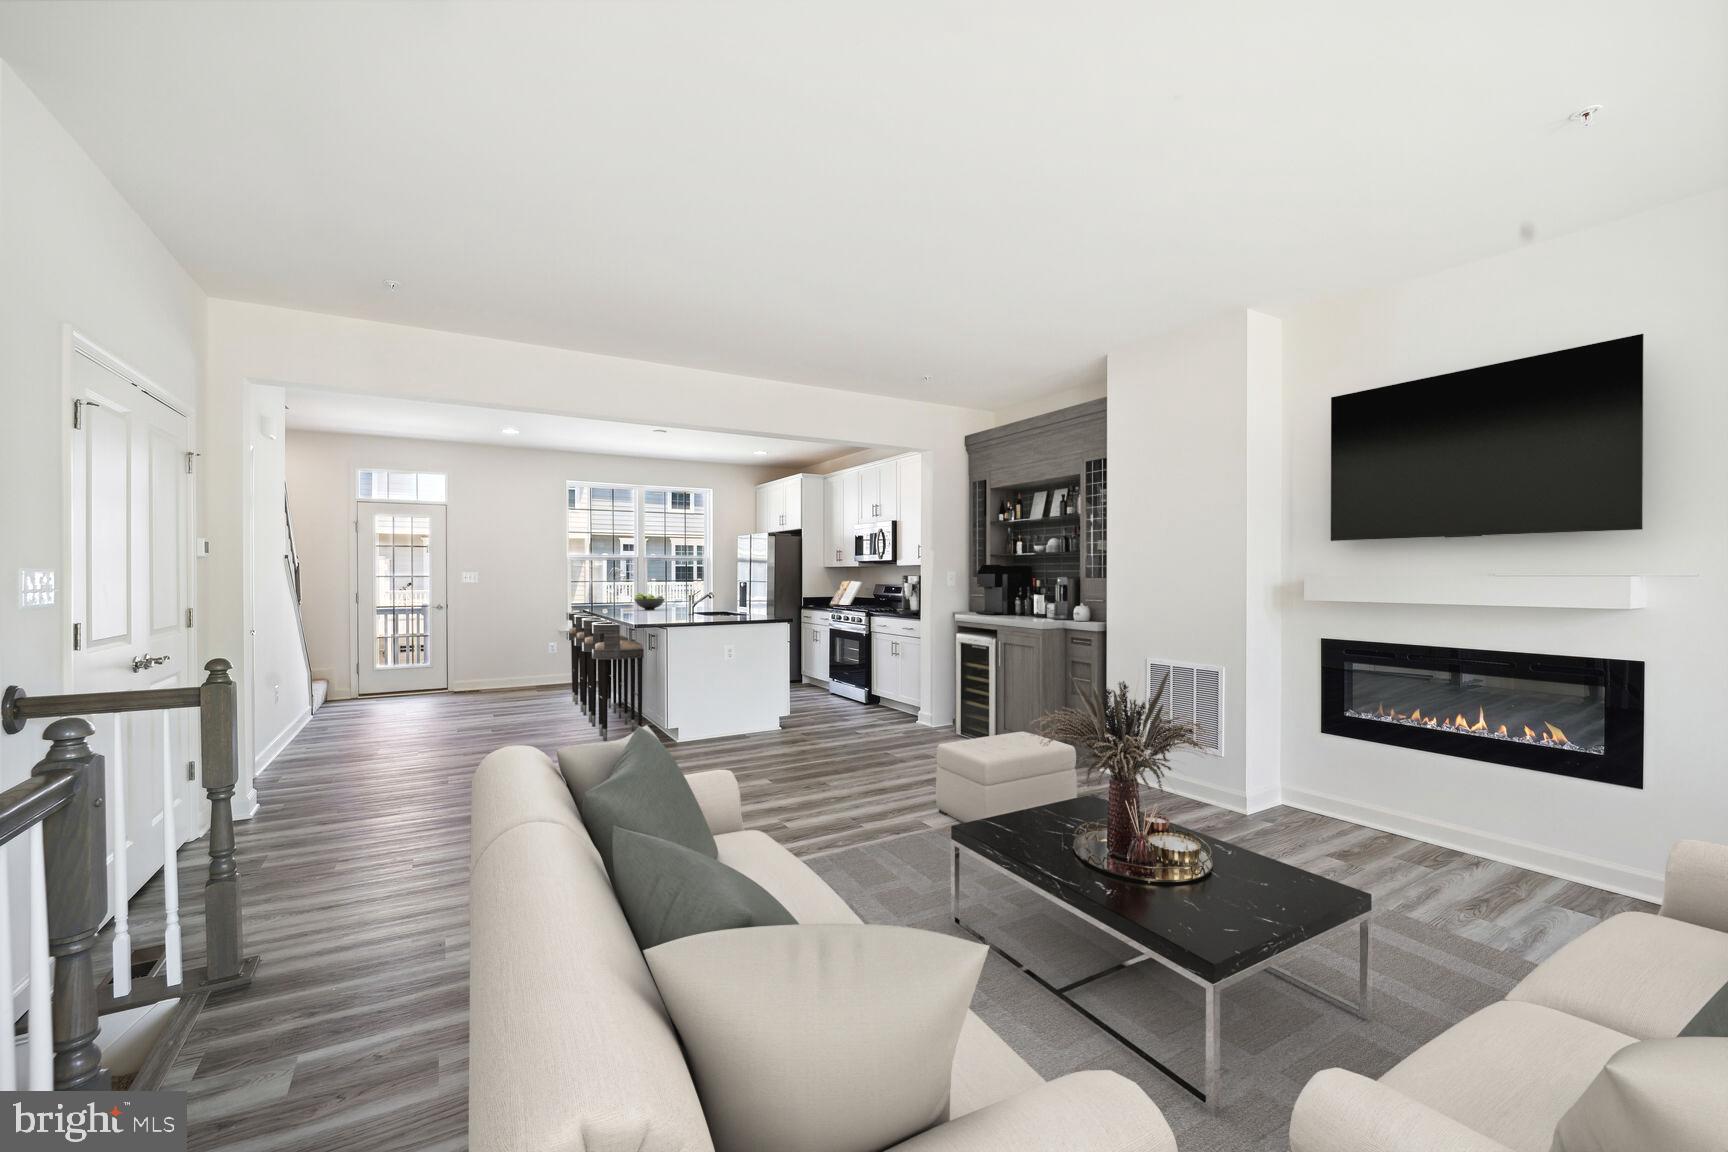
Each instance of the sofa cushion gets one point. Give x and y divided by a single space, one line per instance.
569 1045
1712 1019
517 785
1666 1094
785 877
668 892
1644 975
986 1071
645 793
819 1038
1509 1072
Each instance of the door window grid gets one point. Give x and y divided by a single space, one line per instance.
408 487
402 571
623 540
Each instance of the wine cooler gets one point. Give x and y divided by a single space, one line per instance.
975 684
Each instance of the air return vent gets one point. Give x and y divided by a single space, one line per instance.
1195 693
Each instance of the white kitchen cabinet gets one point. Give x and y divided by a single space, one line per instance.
896 663
654 654
842 513
815 639
781 504
877 492
910 493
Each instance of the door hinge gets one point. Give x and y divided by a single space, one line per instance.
189 457
77 637
188 617
191 769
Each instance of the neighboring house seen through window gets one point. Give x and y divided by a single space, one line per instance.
627 539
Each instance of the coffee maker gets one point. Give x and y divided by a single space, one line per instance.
1001 583
911 591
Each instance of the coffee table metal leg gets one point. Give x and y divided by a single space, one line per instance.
954 891
1366 947
1212 1044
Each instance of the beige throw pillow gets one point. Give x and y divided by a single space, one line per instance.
818 1037
1656 1094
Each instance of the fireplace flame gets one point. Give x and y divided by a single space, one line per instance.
1550 734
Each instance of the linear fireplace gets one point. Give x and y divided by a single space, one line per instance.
1571 715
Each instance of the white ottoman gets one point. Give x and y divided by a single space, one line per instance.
991 775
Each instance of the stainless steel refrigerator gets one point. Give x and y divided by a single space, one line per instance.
771 583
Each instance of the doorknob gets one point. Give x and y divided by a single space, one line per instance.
439 607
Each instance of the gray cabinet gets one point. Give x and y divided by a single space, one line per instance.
1083 656
1029 676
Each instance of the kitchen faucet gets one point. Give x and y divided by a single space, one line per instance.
694 600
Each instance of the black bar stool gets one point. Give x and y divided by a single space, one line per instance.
619 663
581 627
596 631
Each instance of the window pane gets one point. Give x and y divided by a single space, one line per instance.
432 487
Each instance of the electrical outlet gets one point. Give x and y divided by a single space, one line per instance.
950 579
276 693
470 577
551 647
731 652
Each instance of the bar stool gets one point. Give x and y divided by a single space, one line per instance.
596 631
619 664
580 625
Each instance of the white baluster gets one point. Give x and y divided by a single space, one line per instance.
41 1078
170 850
117 837
8 1048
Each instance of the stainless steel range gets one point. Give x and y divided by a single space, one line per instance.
849 654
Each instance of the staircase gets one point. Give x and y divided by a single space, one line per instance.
317 690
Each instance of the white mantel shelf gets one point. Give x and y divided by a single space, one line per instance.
1479 591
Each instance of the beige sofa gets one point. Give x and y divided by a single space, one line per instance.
570 1048
1500 1080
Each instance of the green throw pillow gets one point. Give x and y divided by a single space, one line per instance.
669 892
646 793
1712 1019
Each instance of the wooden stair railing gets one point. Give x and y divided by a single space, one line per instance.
60 808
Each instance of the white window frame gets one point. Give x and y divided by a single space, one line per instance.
386 497
636 549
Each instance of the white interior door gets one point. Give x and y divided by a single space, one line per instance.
400 594
130 591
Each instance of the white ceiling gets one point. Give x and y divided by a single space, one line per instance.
993 194
313 410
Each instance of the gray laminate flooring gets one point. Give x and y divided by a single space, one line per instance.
355 873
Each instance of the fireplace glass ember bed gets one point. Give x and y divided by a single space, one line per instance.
1571 715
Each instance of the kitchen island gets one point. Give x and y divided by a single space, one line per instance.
708 674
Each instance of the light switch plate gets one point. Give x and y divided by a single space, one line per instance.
35 588
470 577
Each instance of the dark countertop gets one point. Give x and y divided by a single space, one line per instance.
673 616
1250 908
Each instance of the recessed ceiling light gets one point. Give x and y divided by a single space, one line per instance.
760 452
662 431
392 285
509 431
1586 115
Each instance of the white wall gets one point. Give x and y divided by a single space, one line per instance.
1195 534
506 520
72 252
1053 401
281 700
1663 273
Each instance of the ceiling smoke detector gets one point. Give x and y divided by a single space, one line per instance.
1584 116
392 285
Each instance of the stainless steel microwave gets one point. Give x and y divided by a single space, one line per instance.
874 543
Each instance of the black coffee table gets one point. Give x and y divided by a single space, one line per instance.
1214 931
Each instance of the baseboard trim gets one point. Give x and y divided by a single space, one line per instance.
283 738
1585 870
1205 793
497 682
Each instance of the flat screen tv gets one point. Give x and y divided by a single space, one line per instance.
1550 443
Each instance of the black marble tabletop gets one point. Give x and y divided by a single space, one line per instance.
1250 908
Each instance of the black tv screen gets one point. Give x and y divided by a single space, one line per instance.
1550 443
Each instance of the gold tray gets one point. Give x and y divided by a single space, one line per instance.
1091 844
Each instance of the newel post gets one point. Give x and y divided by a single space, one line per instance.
75 869
224 945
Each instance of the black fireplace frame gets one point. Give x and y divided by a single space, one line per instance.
1622 683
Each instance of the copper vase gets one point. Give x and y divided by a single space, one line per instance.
1119 825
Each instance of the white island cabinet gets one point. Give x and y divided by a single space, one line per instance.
711 676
